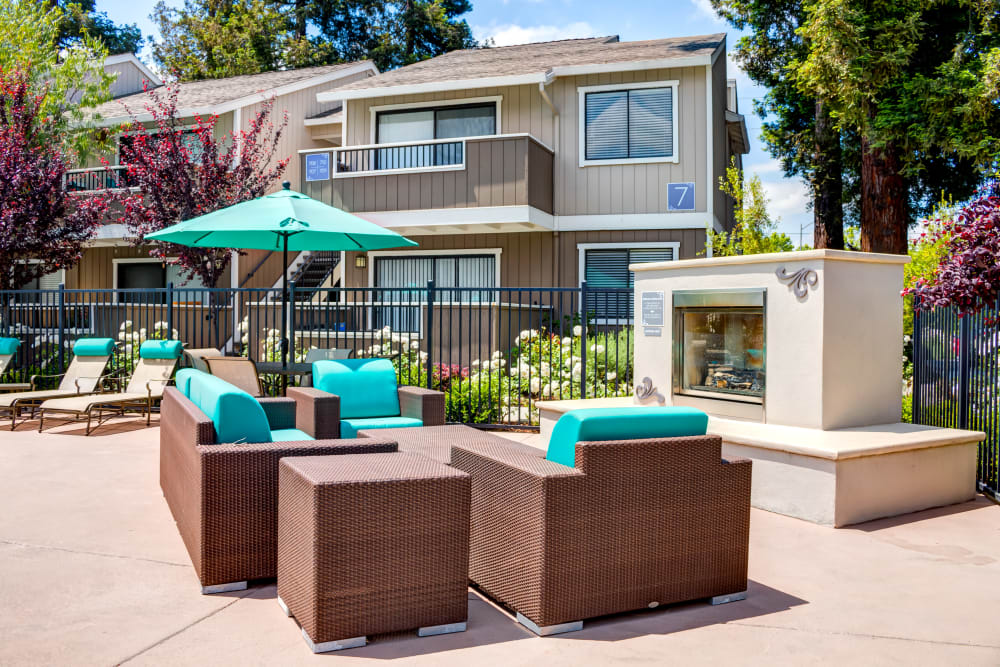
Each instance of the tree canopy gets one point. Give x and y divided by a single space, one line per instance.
70 73
754 231
80 18
204 39
42 228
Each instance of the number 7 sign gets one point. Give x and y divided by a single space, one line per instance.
680 196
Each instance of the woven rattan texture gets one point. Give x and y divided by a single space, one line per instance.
224 497
436 441
426 405
370 544
636 522
316 412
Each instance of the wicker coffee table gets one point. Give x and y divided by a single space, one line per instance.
370 544
436 441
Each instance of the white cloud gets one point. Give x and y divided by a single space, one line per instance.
509 34
704 7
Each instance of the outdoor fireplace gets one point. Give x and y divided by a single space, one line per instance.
719 344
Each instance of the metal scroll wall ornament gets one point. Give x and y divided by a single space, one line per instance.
645 391
800 281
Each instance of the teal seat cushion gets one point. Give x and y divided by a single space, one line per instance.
161 349
94 347
620 424
366 387
289 435
183 380
9 345
235 414
349 427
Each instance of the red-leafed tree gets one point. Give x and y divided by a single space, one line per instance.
42 228
180 172
968 276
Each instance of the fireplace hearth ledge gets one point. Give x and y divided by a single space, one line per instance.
836 477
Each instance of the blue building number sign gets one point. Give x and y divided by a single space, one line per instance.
680 196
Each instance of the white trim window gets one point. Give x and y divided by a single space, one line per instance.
396 274
604 266
147 273
634 123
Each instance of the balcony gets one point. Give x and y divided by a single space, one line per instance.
485 173
96 178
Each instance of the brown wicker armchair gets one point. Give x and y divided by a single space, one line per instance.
636 524
224 497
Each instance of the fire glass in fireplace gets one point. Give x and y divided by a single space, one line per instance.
719 347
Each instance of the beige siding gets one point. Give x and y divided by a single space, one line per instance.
541 259
296 136
589 190
96 268
506 171
129 79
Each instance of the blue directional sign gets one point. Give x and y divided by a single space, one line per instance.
680 196
317 166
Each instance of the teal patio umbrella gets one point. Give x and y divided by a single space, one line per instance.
285 220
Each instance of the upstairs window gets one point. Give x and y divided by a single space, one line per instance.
427 124
628 123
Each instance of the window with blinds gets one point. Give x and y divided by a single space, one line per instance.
629 124
606 272
414 272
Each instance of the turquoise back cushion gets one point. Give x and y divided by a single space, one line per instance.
183 380
93 347
620 424
236 415
367 387
161 349
9 345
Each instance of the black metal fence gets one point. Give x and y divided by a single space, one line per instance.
494 351
956 380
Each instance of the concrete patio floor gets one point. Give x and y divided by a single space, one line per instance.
93 571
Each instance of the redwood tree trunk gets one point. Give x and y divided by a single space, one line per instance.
828 183
884 214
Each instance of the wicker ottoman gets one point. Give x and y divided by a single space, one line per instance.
370 544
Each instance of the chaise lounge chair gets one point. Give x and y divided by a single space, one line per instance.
219 454
84 375
8 347
605 524
195 357
157 359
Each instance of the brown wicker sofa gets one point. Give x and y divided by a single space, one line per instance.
635 524
224 497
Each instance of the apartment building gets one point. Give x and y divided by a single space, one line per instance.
109 261
537 165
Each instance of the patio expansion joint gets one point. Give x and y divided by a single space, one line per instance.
866 635
83 552
187 627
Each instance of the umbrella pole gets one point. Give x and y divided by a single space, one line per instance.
284 316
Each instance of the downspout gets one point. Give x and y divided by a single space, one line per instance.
555 172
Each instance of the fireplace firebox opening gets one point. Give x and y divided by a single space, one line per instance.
719 344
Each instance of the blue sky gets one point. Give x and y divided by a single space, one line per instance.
519 21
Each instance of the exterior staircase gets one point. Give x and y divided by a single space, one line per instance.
318 270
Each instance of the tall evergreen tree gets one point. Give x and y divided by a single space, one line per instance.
910 77
80 18
798 128
218 38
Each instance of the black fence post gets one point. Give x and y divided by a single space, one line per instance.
61 325
429 332
170 309
583 339
964 359
915 415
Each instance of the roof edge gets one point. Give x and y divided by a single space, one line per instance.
119 58
517 79
246 100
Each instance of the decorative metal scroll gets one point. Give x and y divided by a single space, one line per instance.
645 391
800 281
